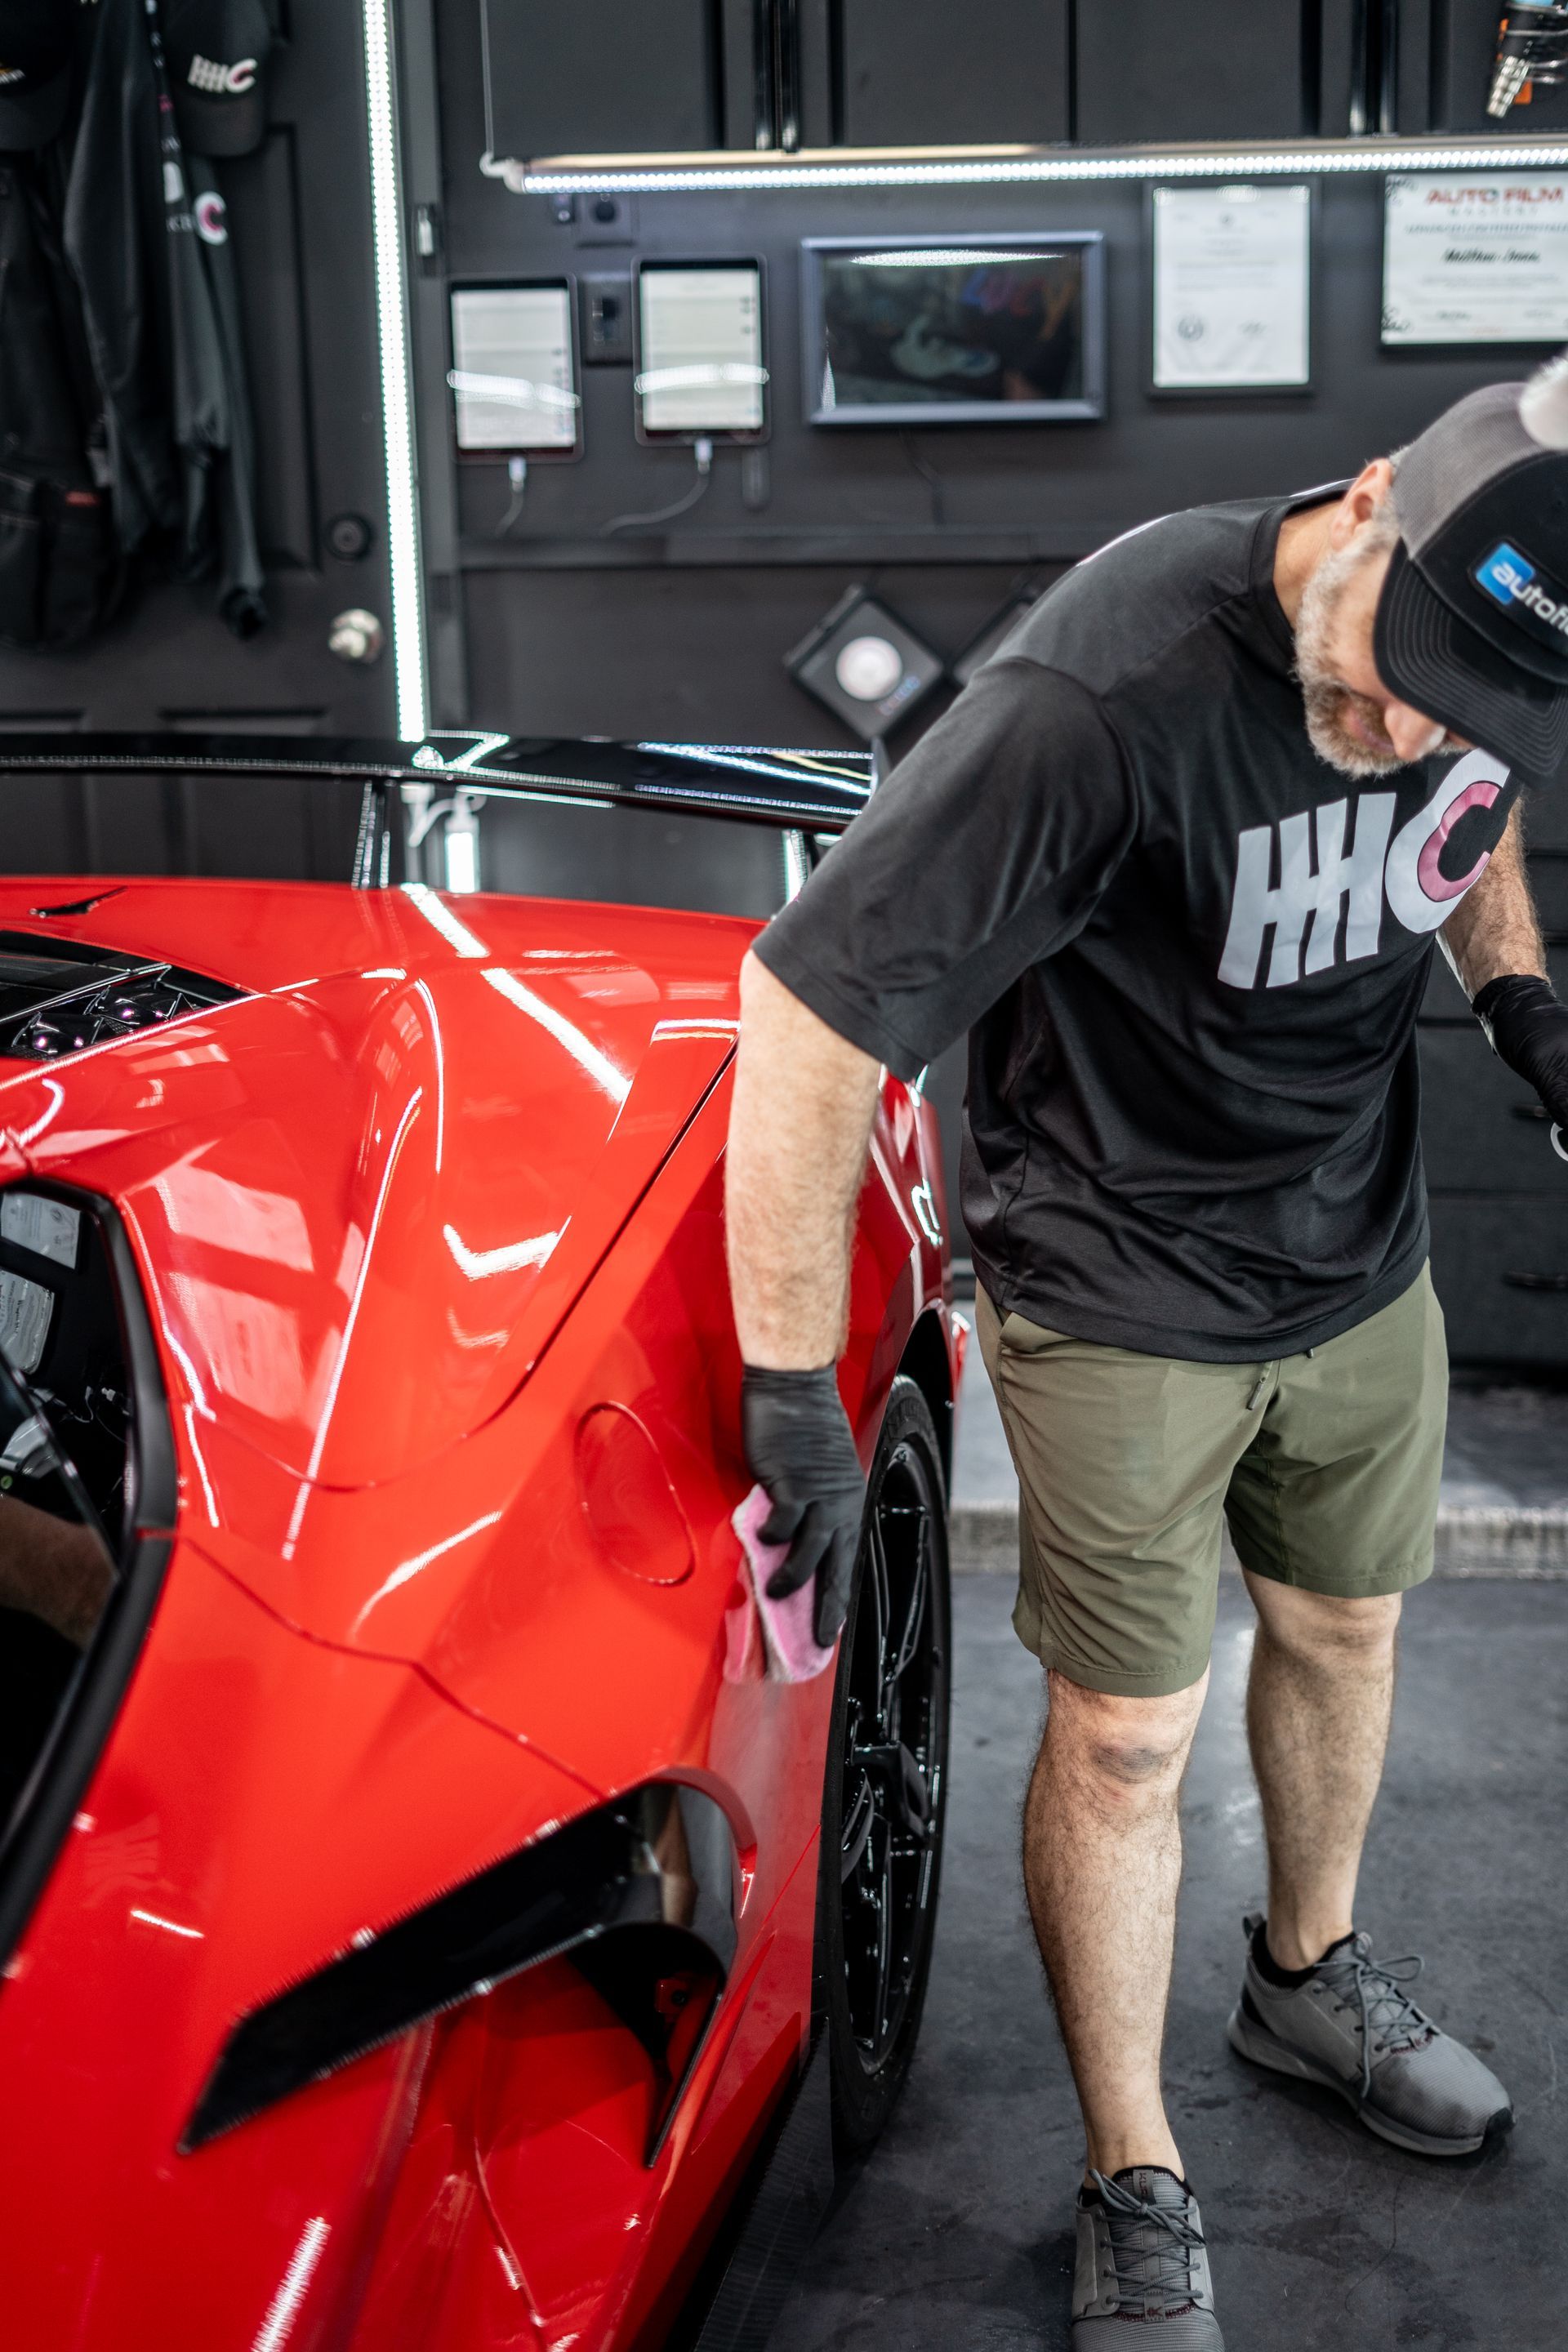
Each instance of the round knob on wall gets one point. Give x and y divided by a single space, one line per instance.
357 636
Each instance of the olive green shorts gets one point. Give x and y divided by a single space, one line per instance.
1325 1464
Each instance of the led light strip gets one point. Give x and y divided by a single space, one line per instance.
631 177
396 403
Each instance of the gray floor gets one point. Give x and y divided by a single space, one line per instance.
956 2235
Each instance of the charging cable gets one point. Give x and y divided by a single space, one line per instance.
517 475
704 453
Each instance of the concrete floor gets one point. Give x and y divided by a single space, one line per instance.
956 2235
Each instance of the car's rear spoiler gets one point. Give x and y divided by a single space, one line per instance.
812 792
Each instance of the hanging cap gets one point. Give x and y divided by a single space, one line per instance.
216 55
1472 621
36 41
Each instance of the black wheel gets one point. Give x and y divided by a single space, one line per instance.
885 1789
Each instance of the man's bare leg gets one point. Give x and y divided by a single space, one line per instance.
1318 1707
1103 1858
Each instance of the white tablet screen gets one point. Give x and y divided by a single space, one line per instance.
512 375
701 350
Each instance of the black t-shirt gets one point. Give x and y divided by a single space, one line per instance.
1188 952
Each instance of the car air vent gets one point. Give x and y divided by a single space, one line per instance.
57 996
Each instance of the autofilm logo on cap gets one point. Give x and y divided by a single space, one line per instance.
1525 594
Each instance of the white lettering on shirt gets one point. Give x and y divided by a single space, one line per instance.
1304 894
1310 892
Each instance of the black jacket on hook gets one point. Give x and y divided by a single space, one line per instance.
163 319
58 570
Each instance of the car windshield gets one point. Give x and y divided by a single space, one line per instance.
451 833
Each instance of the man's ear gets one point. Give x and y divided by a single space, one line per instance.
1365 495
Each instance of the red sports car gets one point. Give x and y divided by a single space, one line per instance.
424 1922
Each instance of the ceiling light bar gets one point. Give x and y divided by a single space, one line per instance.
397 399
631 175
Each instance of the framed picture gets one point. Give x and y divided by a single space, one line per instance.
1475 258
1231 287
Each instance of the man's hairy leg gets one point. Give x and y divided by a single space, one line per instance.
1317 1706
1103 1859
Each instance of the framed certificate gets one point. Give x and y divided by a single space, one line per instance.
1232 287
1475 258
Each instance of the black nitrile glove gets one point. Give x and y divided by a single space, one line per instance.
1529 1029
799 1447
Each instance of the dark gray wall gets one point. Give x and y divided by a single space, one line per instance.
681 633
684 630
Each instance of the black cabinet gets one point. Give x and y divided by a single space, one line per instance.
1498 1192
1155 72
1501 1270
1483 1129
619 76
918 73
625 77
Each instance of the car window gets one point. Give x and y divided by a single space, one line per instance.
64 1420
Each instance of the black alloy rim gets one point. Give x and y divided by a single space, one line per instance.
894 1759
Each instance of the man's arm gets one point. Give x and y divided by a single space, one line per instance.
799 1126
804 1100
1493 942
1493 931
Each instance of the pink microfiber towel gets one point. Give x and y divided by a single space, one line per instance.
794 1656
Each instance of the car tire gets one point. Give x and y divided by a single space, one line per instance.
884 1797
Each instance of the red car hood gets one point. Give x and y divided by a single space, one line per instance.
365 1194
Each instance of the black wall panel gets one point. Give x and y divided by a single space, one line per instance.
1154 71
604 75
911 74
1409 73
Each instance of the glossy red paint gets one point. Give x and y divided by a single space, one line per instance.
430 1224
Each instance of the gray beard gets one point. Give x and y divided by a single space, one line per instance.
1323 698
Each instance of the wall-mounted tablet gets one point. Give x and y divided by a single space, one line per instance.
701 368
514 371
954 330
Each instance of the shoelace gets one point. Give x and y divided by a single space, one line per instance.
1389 2017
1160 2271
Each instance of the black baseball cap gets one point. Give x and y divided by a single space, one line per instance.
1472 620
217 52
35 42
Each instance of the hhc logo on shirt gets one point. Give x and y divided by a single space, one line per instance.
1510 580
1329 897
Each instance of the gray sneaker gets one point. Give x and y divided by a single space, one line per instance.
1141 2256
1352 2027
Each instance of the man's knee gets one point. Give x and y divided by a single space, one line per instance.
1329 1629
1127 1750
